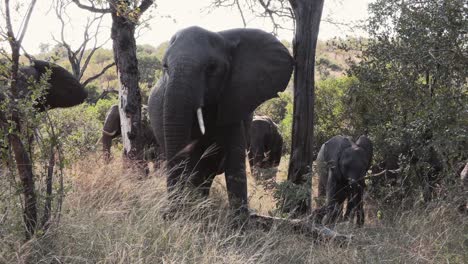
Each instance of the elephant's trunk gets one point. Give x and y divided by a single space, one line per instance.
179 111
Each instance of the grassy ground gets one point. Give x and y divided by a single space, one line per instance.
112 217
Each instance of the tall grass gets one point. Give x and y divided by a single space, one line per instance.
111 216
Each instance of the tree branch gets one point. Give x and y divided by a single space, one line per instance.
241 13
98 75
10 33
92 7
26 21
145 4
383 173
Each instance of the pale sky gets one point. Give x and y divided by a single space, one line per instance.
183 13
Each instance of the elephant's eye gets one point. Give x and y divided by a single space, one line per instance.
165 67
211 69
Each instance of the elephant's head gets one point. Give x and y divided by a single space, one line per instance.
218 78
64 90
355 161
110 130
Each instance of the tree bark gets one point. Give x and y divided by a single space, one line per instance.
308 14
23 161
124 46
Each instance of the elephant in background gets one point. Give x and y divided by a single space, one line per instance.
64 91
266 145
342 166
203 104
111 130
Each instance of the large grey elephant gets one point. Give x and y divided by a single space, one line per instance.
111 130
200 109
64 91
266 145
342 166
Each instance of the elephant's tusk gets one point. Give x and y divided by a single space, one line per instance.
200 121
109 134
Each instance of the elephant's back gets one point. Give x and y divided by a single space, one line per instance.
335 146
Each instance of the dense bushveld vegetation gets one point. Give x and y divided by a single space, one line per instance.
405 85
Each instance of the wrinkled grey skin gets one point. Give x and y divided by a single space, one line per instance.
266 145
342 166
227 75
111 130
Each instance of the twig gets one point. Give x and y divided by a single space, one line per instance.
92 7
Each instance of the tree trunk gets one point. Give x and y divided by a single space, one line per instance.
124 46
308 14
23 161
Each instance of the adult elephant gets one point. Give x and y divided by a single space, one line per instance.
64 89
199 110
266 145
342 166
111 130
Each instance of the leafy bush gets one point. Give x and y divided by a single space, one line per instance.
412 90
79 128
276 107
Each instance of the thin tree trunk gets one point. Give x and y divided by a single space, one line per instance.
23 161
308 14
124 46
24 166
48 196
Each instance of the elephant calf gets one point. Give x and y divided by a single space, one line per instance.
342 165
266 144
111 130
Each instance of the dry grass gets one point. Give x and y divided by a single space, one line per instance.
110 216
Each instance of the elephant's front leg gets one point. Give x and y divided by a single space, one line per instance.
335 197
351 206
355 205
236 180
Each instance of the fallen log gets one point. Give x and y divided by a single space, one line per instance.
303 226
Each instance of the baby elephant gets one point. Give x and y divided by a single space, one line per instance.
111 130
342 165
266 144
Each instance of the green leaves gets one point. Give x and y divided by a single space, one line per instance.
412 86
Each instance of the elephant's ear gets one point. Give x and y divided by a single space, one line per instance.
260 66
65 90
